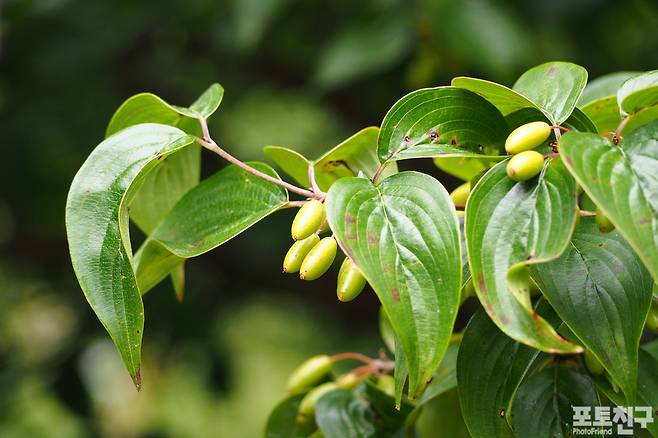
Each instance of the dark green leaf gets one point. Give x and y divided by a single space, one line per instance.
622 182
555 87
638 92
442 417
403 234
442 121
510 226
543 403
341 414
281 422
445 377
490 367
601 290
97 228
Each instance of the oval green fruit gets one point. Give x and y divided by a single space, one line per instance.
652 317
592 363
602 221
319 259
527 137
307 405
295 256
349 381
350 281
309 373
307 220
460 194
525 165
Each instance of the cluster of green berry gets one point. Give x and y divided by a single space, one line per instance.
525 162
313 379
312 256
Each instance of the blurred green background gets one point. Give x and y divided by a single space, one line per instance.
303 74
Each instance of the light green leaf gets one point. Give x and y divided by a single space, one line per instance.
604 113
490 367
291 162
404 236
543 403
445 377
510 226
605 86
442 121
601 290
555 87
97 228
152 263
623 182
356 154
503 98
209 101
638 92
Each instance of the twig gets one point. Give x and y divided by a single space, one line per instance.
556 131
293 204
553 155
378 172
587 213
314 184
350 355
208 143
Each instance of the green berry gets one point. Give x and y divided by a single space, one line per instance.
350 281
592 363
602 221
309 373
319 259
307 405
652 317
386 384
349 381
525 165
460 194
295 256
307 220
527 137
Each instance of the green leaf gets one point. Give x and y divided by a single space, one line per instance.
461 167
510 226
442 413
442 121
209 101
218 209
341 414
638 92
291 162
600 276
388 419
543 403
281 422
403 234
622 182
152 263
97 228
503 98
555 87
356 154
605 86
490 367
604 113
445 377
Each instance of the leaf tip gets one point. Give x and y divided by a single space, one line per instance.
137 379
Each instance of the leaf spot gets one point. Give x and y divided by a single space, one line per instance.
501 412
395 293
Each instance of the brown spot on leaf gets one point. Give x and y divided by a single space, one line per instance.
481 283
453 141
531 256
644 221
349 219
372 239
395 293
551 71
501 412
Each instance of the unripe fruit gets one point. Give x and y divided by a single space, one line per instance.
307 405
386 384
307 220
527 137
350 281
319 259
460 194
295 256
652 317
525 165
602 221
593 364
309 373
349 381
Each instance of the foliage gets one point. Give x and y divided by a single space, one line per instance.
402 232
